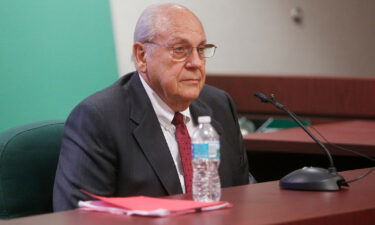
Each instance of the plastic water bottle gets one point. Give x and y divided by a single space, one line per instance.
206 160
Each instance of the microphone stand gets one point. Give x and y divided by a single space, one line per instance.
308 178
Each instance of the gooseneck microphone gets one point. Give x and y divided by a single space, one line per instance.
307 178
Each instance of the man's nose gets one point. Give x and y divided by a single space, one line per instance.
195 61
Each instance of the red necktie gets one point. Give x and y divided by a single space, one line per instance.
184 147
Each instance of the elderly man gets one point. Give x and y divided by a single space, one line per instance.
121 141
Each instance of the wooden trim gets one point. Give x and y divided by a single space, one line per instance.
319 96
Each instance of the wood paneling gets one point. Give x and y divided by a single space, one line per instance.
317 96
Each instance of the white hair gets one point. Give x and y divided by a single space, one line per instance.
146 29
148 23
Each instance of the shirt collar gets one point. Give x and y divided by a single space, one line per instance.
163 112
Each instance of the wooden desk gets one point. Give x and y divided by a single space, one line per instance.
262 203
357 135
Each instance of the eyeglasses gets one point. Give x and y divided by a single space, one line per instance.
182 52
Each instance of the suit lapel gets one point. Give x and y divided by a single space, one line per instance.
199 108
151 138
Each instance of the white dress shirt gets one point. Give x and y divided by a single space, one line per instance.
165 116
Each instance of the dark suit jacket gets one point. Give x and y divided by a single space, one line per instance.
113 145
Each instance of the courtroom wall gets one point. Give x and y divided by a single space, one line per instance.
335 37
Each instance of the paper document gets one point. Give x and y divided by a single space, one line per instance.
148 206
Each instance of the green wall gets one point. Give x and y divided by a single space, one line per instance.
53 54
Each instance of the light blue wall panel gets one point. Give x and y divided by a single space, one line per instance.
53 54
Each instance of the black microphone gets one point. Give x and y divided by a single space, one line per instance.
307 178
261 96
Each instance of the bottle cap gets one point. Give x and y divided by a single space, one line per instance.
204 119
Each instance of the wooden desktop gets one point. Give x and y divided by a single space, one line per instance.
358 135
262 203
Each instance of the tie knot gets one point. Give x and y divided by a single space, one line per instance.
178 119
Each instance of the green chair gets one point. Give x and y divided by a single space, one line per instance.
28 161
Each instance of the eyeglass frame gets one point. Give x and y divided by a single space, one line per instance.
188 53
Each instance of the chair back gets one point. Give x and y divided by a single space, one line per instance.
28 161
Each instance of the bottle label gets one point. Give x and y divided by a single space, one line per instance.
206 150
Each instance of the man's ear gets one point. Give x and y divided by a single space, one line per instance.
139 54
